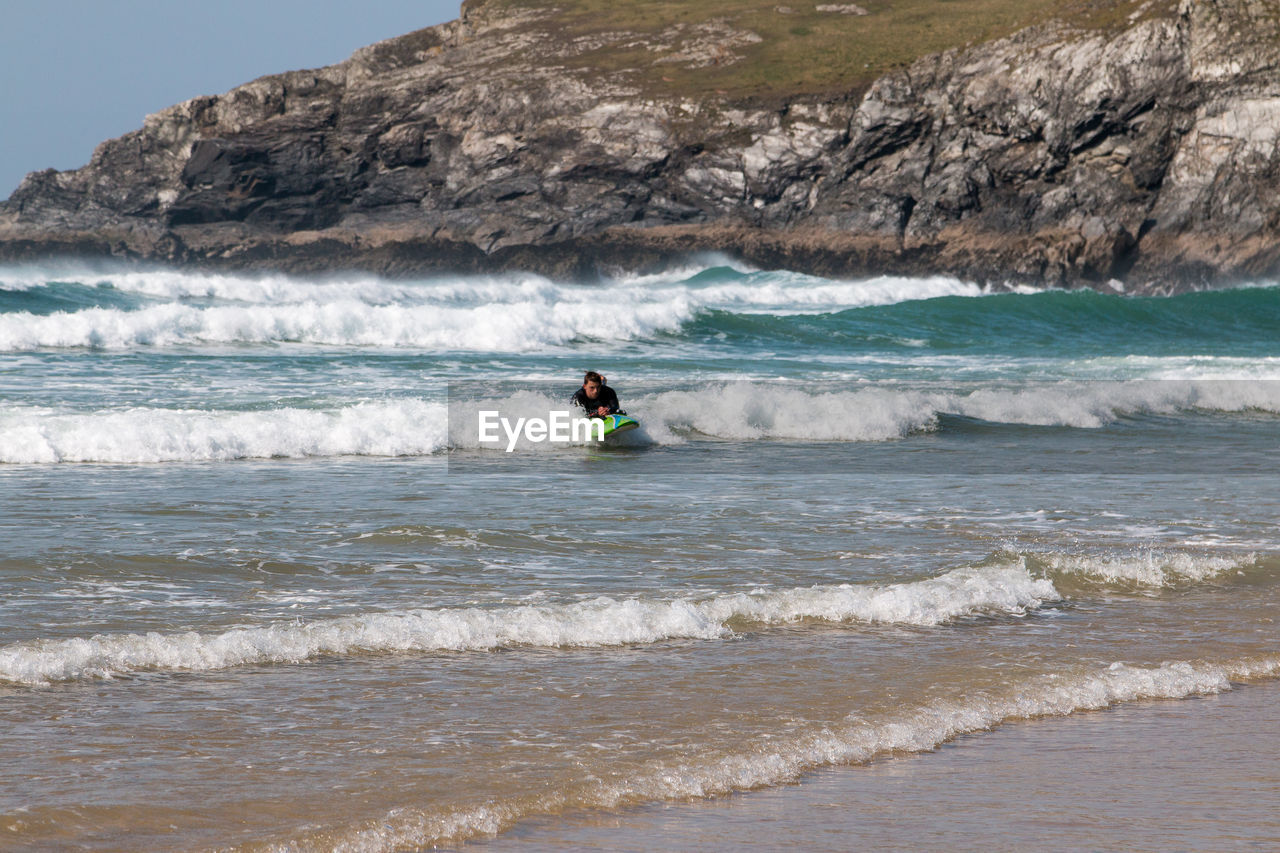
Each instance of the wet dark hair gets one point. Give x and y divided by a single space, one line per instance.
592 376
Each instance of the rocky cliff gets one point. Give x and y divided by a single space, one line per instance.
1140 155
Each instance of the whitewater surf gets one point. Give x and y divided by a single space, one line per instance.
265 586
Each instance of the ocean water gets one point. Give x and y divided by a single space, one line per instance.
264 589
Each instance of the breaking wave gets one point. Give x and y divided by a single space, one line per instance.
720 287
599 622
1150 569
757 410
69 307
741 411
496 327
517 313
744 411
31 435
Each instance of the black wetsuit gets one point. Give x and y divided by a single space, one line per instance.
604 397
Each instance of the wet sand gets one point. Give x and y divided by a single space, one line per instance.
1191 774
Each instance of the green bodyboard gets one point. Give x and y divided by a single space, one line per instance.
614 424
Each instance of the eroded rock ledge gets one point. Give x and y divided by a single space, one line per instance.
1143 158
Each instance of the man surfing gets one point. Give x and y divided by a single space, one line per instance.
597 397
601 403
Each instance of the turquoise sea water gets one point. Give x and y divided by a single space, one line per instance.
263 587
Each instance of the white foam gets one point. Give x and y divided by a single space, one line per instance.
753 410
598 622
33 435
740 411
1216 367
1095 404
781 760
514 313
962 592
496 327
786 291
275 288
1151 568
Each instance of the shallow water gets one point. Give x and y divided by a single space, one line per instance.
1142 776
263 588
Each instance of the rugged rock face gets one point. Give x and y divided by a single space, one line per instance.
1143 158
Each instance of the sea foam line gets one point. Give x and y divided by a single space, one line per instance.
496 314
145 435
746 411
756 410
600 622
778 761
496 327
1150 568
736 411
739 411
780 291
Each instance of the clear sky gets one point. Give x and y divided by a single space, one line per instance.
76 72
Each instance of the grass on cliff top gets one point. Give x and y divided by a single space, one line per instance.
803 50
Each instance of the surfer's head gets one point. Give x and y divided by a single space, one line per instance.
591 384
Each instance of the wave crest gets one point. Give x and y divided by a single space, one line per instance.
144 435
752 410
736 411
1149 569
514 313
599 622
